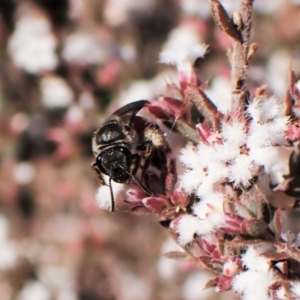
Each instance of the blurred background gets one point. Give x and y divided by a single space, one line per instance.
65 66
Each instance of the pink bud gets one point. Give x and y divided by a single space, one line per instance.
224 283
136 195
233 224
155 204
207 136
232 266
293 132
180 198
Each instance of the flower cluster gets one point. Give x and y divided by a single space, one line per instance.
238 180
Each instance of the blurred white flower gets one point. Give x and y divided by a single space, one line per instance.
267 7
34 290
186 34
32 46
296 289
117 12
103 195
167 268
219 92
55 92
278 68
194 286
83 48
196 7
183 57
8 249
24 173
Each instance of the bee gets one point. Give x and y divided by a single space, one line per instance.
129 147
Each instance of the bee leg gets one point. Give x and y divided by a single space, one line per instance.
136 162
98 173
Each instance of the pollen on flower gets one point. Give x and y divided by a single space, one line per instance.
183 58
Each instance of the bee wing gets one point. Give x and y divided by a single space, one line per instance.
127 112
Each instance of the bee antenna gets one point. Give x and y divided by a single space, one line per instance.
111 196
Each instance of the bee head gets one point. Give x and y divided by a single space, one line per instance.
115 162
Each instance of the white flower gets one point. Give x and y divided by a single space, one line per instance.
269 156
188 226
241 170
191 179
296 289
219 92
75 114
103 195
24 173
55 93
189 157
217 171
210 208
253 285
194 286
32 45
82 48
234 132
205 189
281 294
226 151
253 261
263 110
34 290
183 58
196 7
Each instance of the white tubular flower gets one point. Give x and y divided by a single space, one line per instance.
183 58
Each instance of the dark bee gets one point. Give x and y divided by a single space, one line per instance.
129 147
